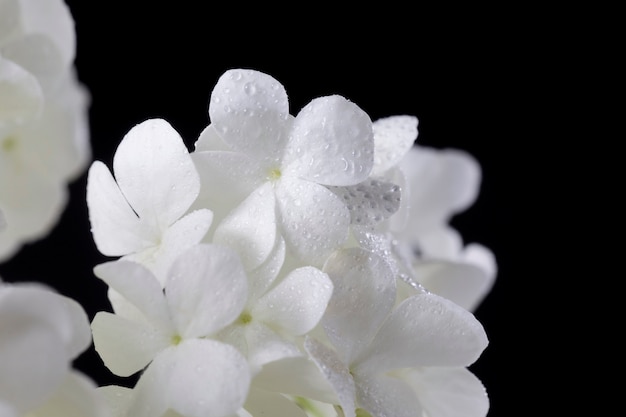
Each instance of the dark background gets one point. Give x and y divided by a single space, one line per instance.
464 72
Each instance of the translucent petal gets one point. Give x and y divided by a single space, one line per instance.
264 403
51 18
249 110
393 137
463 283
210 140
76 397
336 372
313 220
139 287
331 143
383 396
197 378
115 227
371 201
155 172
126 347
297 303
21 97
450 392
206 290
425 330
364 293
250 228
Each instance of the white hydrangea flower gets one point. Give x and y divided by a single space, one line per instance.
44 137
41 333
273 168
171 339
373 342
141 214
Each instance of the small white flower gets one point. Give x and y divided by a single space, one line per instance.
41 333
273 168
141 213
172 334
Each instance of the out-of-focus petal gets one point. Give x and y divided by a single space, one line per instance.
197 378
424 330
313 220
393 137
297 303
331 143
21 97
206 290
364 293
265 403
371 201
448 392
126 347
249 110
115 226
383 396
117 398
155 172
336 372
250 228
9 19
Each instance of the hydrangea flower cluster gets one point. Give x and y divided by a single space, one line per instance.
44 136
289 265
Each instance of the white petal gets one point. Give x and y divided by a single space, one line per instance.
210 140
250 228
313 220
264 346
197 378
80 338
115 227
336 372
249 110
425 330
21 97
449 392
481 256
126 347
444 243
264 403
462 283
180 236
155 172
331 143
9 19
52 18
443 183
393 137
383 396
364 293
262 277
206 290
297 303
76 397
371 201
117 398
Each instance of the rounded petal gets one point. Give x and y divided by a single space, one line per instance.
336 372
450 392
249 110
250 228
206 290
371 201
138 286
424 330
21 97
197 378
364 294
331 143
297 303
313 220
383 396
155 172
262 277
115 227
126 347
393 137
210 140
117 398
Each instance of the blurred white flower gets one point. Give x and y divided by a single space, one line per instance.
141 213
44 135
41 333
267 171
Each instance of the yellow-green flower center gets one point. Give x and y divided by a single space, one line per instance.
244 318
176 339
274 174
9 143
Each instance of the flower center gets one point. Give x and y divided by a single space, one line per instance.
9 143
176 339
244 318
274 174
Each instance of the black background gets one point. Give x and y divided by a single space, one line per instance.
464 72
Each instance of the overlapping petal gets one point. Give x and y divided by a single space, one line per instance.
394 136
384 396
21 97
